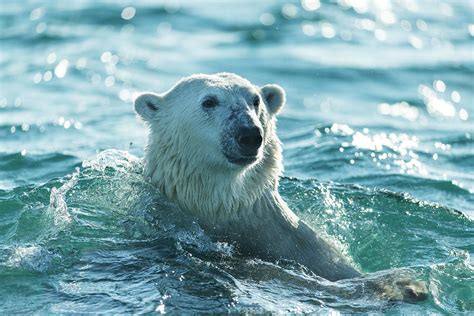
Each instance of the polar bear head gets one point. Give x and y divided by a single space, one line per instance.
212 141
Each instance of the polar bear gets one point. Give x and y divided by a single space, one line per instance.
213 150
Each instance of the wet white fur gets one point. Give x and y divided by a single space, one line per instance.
184 158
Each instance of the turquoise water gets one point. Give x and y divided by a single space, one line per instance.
378 147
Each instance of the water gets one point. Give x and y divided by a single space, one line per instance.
378 148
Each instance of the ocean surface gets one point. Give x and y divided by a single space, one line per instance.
378 152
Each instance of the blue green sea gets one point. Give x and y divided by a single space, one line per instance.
377 132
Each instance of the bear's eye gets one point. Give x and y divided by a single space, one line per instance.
210 102
256 101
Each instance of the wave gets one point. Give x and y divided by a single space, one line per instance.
104 226
18 169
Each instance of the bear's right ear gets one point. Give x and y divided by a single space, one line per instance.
147 104
274 96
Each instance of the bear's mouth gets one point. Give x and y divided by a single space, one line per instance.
242 161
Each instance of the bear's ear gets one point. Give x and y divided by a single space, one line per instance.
274 96
147 104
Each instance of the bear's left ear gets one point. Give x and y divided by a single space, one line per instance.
274 96
147 104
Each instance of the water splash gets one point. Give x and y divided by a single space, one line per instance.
57 201
118 160
123 233
31 258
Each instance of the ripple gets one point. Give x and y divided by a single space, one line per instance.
121 232
32 258
103 240
34 168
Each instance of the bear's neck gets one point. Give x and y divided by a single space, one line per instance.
214 195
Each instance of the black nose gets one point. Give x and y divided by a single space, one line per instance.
249 140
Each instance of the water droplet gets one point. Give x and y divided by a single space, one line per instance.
416 42
128 13
289 11
109 81
310 5
61 69
327 30
308 28
463 115
37 78
267 19
439 85
51 58
36 14
124 95
106 57
387 17
47 76
421 25
41 27
406 25
77 125
456 96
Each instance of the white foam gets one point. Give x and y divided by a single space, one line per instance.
33 258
